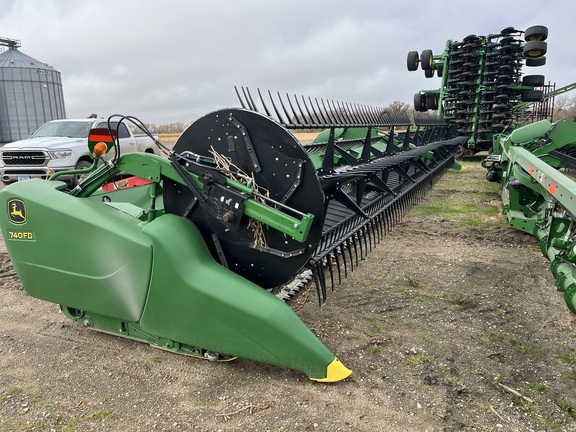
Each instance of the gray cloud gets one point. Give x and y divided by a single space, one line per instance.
177 60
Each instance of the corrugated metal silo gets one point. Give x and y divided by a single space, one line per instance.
30 93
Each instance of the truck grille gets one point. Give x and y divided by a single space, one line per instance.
24 157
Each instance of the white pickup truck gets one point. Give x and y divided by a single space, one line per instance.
62 145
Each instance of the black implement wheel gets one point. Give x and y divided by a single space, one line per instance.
440 71
533 62
420 102
531 95
413 60
432 101
508 30
260 147
429 73
535 49
536 33
470 38
533 80
426 59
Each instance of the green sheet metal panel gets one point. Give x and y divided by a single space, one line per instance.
74 251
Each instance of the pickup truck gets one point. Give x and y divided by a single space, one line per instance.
61 145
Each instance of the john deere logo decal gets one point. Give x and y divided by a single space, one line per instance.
17 211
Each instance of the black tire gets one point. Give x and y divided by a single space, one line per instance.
533 80
507 40
419 102
412 60
429 73
432 101
535 49
536 33
440 71
77 179
508 30
533 62
426 59
470 38
531 95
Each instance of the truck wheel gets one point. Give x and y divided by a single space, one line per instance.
77 179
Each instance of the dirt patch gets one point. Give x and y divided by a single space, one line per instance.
451 323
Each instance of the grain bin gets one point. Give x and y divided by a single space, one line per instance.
30 93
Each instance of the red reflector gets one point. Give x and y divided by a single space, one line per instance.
102 135
125 183
552 188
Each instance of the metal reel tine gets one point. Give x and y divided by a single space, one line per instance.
329 264
316 117
294 114
338 266
336 114
347 243
252 104
280 119
378 226
239 97
322 277
351 115
354 241
305 120
285 110
263 103
319 291
344 114
341 249
246 98
321 112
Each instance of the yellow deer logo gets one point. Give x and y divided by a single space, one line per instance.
17 211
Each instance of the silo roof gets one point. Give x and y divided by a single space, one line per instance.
12 58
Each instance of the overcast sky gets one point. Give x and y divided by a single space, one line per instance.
176 60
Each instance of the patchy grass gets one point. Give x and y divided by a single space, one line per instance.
103 414
418 359
8 393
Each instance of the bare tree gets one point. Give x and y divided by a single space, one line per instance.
563 105
398 109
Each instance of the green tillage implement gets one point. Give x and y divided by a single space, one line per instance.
539 199
483 90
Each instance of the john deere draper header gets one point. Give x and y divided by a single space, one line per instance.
198 260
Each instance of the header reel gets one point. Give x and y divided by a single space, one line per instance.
266 157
